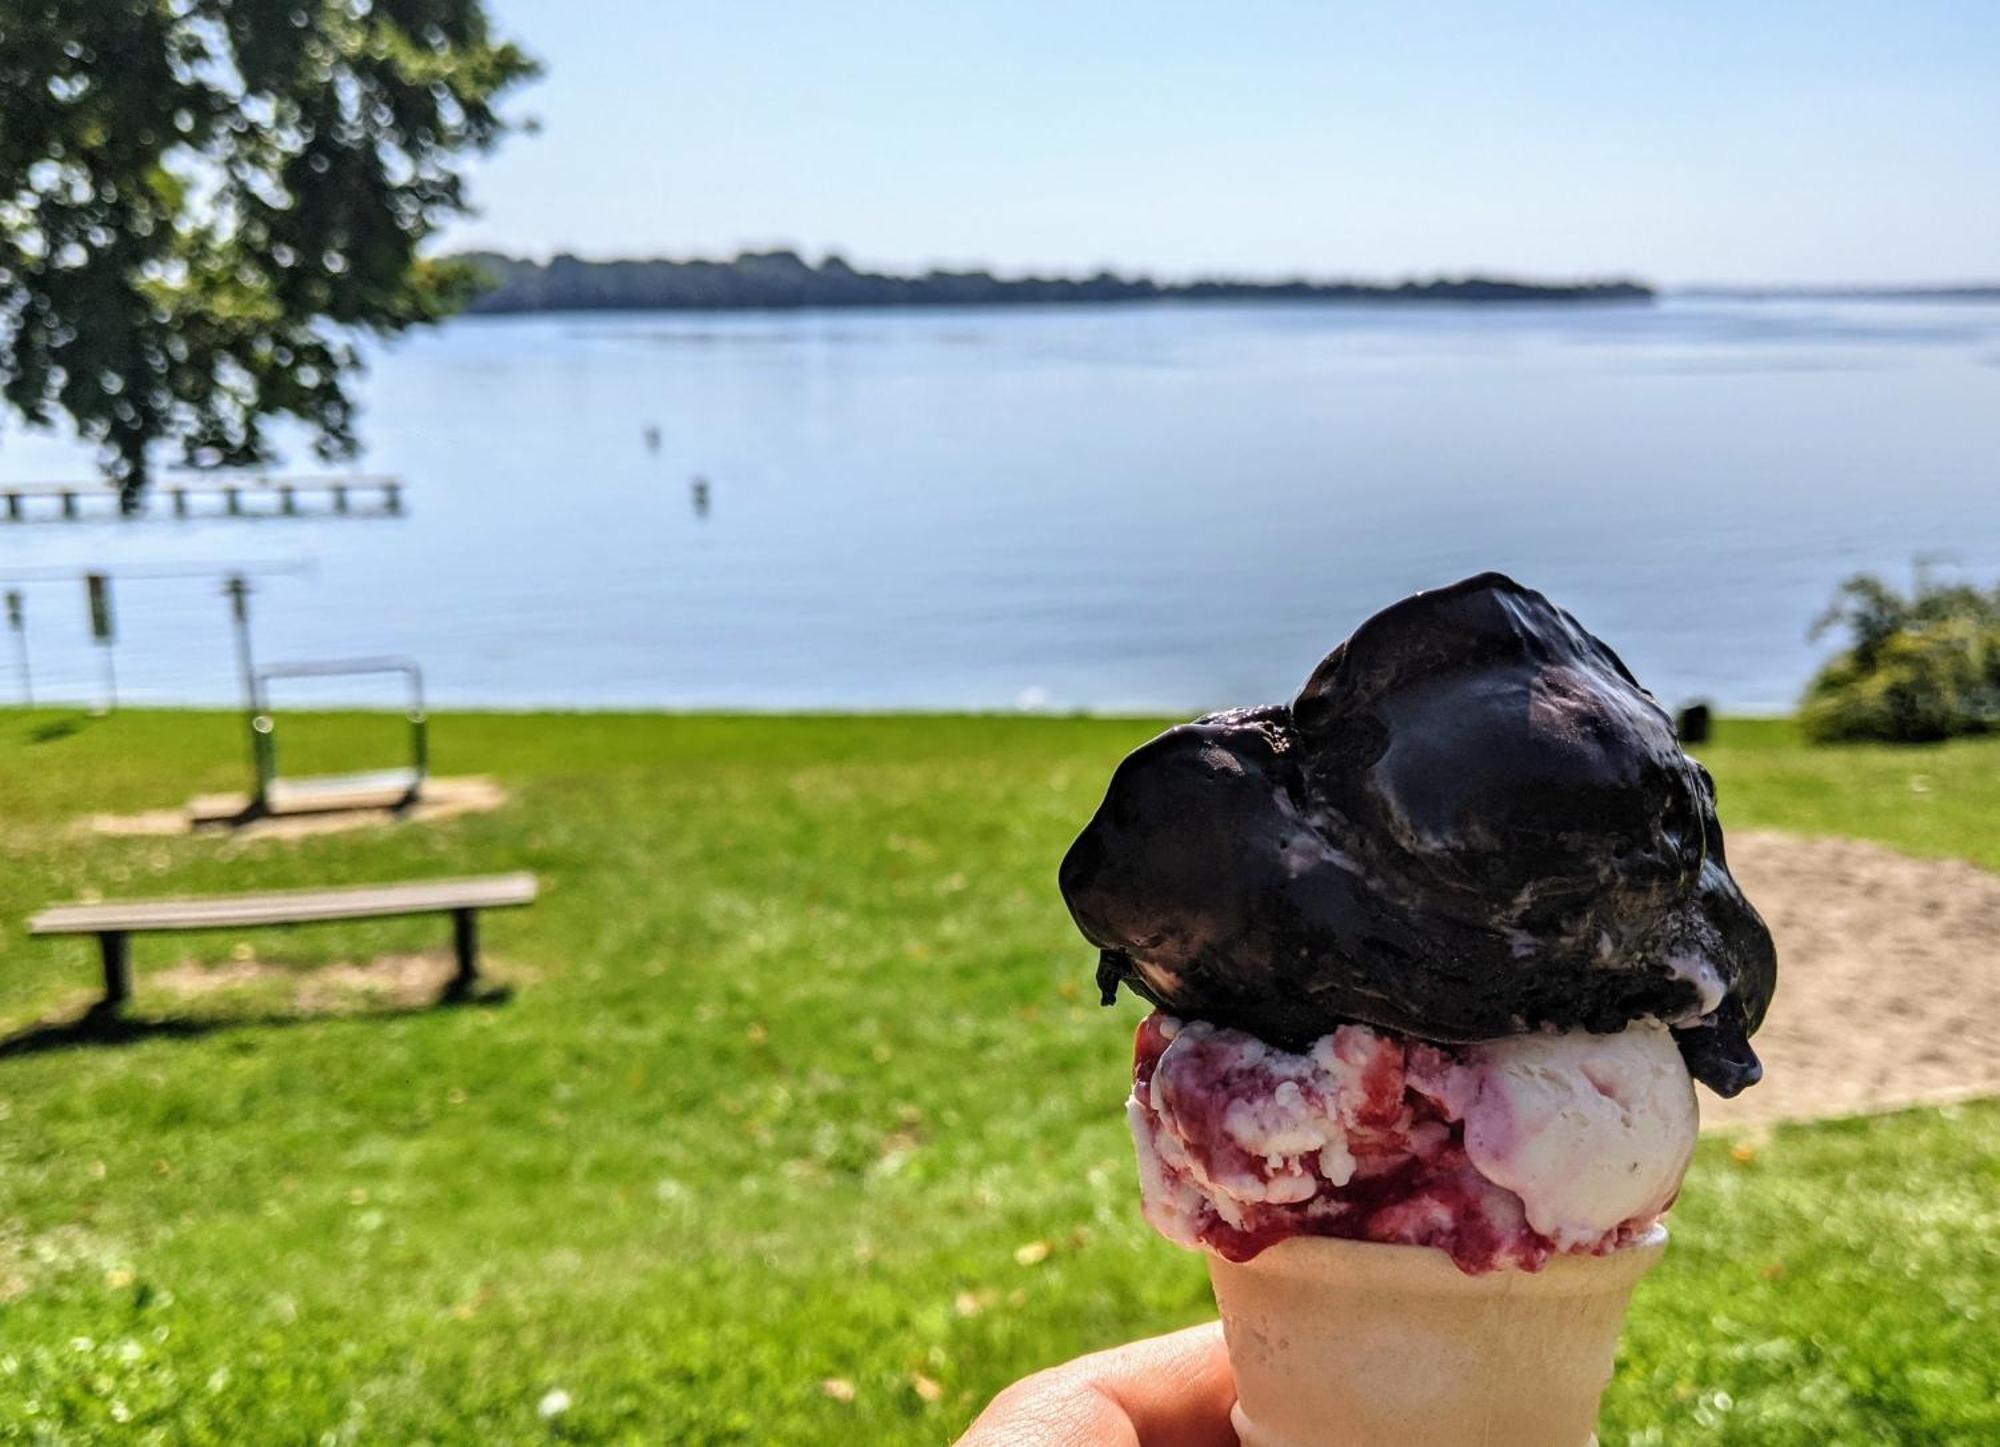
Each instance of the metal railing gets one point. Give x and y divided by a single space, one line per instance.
239 495
263 726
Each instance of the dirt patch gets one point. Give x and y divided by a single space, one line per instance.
1888 979
442 799
401 982
29 1258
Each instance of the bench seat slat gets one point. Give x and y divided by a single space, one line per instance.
288 906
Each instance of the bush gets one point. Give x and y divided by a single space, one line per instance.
1919 668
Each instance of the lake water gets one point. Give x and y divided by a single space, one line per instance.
1118 508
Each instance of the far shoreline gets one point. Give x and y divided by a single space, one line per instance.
1037 308
785 281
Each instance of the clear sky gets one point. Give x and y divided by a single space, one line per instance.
1752 140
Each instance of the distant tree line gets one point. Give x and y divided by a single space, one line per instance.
784 279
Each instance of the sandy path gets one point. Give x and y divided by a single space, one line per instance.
1906 949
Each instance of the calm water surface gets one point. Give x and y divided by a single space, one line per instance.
1122 508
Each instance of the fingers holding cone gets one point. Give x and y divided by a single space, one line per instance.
1170 1391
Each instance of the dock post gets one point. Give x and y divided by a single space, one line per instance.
18 622
69 504
180 502
340 497
232 501
13 507
392 498
287 500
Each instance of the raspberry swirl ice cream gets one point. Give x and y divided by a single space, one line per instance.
1436 950
1499 1155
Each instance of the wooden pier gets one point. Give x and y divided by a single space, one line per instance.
245 496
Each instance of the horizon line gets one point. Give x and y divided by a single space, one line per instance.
820 257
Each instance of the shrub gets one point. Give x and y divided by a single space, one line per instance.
1918 668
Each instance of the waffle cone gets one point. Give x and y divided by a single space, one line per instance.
1353 1344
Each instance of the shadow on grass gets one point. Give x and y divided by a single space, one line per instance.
102 1025
55 729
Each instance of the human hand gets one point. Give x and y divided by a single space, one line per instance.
1172 1391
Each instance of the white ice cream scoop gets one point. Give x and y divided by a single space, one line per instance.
1588 1130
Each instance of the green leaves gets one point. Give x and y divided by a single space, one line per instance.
1920 668
201 200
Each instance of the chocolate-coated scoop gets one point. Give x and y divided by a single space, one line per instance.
1472 822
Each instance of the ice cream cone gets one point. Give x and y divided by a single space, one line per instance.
1353 1344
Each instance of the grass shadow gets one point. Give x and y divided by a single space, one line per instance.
57 729
102 1026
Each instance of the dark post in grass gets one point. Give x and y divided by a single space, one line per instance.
116 947
237 588
465 945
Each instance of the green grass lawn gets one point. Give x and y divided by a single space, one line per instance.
803 1081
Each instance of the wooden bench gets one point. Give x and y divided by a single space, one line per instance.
114 922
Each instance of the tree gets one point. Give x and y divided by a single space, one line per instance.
205 203
1919 667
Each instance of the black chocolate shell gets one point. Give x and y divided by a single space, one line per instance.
1472 822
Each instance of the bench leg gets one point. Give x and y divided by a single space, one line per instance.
465 944
116 947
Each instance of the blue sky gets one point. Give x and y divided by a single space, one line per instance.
1681 142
